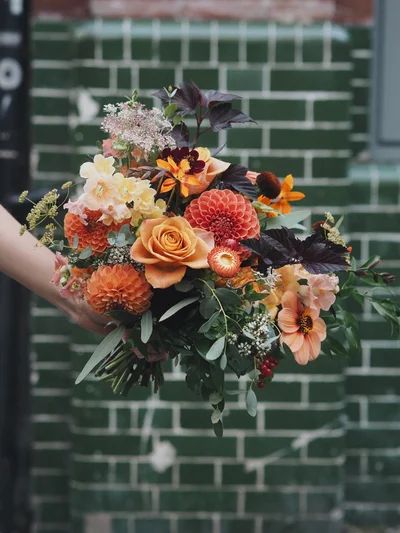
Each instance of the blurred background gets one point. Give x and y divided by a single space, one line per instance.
323 453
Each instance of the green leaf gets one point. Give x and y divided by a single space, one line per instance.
216 349
288 221
208 306
215 398
218 429
228 297
146 327
184 286
107 345
223 361
177 307
251 402
210 322
86 253
75 242
216 416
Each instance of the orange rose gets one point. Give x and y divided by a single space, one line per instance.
167 246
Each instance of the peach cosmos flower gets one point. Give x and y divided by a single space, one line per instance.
301 328
193 170
167 246
320 291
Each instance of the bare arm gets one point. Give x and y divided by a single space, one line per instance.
32 265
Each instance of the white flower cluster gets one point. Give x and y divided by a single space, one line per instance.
259 336
132 123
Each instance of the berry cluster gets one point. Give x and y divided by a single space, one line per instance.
266 367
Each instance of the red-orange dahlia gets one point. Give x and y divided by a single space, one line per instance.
93 233
118 287
227 214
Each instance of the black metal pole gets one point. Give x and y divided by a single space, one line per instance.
14 300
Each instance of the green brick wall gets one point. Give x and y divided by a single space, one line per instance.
320 452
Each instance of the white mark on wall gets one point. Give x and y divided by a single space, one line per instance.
163 456
87 106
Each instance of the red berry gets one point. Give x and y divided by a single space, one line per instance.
260 383
266 371
273 361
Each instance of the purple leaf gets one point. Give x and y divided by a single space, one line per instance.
222 116
215 97
234 177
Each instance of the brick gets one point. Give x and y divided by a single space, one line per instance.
147 474
257 52
196 500
307 420
150 78
309 80
199 50
237 474
106 501
302 139
142 48
244 79
55 484
194 525
110 444
55 78
303 474
93 77
270 501
378 491
205 78
228 51
330 167
386 357
279 165
261 447
323 502
60 49
112 49
90 472
237 525
170 50
147 525
196 474
331 110
372 438
244 138
272 109
192 446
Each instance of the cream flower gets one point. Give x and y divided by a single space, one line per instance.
101 167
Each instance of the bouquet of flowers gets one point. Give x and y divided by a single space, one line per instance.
198 260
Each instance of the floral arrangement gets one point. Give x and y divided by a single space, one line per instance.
198 260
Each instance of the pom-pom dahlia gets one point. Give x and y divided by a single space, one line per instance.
118 287
90 232
226 214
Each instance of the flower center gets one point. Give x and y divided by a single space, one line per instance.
305 323
222 226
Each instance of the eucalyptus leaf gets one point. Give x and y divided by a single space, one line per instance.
218 429
215 398
216 416
216 349
107 345
146 327
177 307
223 361
288 221
210 322
251 402
75 242
86 253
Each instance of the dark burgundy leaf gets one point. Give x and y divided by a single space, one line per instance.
280 247
162 94
181 134
187 97
214 97
222 116
234 177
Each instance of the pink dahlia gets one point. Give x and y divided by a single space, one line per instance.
226 214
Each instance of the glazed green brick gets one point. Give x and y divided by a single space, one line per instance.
326 392
370 518
199 50
322 195
55 78
292 419
278 390
178 391
49 26
302 139
310 80
385 357
238 419
340 51
277 109
244 138
52 323
379 411
331 167
361 193
326 447
120 525
52 430
194 525
331 110
228 51
237 474
323 502
124 78
196 474
124 417
388 193
147 474
93 77
312 50
377 491
112 49
51 406
285 50
193 446
387 249
360 122
173 500
54 512
281 166
94 417
361 67
303 525
85 48
48 457
375 329
371 222
361 37
109 444
90 471
237 525
122 472
257 52
205 78
303 474
117 500
53 378
57 134
269 502
142 49
244 79
353 408
360 96
195 418
50 106
259 446
152 525
100 391
352 465
384 465
55 484
170 50
58 50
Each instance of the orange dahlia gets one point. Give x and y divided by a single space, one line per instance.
225 213
91 233
118 287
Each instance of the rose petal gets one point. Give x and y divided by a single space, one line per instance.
161 275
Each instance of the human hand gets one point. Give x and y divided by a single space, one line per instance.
82 315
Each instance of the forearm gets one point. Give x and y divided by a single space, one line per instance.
28 262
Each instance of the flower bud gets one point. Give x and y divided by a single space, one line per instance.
269 184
